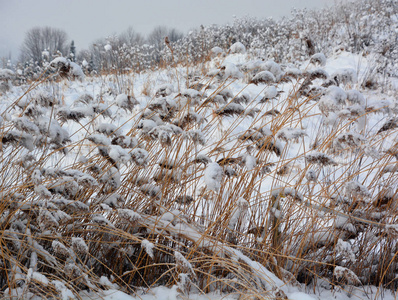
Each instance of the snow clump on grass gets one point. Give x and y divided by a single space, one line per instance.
238 47
213 176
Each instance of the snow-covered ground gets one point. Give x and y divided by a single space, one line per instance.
309 152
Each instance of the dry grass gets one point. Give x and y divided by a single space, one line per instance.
151 220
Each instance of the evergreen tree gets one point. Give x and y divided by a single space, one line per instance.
72 51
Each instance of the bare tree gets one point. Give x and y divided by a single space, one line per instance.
39 39
157 38
131 37
174 35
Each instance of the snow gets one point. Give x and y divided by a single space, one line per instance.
107 129
129 215
270 92
139 156
216 50
59 60
108 47
61 288
157 293
213 176
357 190
183 262
148 246
301 296
136 145
6 74
345 76
105 282
79 245
273 68
288 133
119 154
250 162
232 71
147 125
263 77
318 58
238 47
77 71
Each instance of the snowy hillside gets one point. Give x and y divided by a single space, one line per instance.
237 178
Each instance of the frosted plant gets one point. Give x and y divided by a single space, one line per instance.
118 154
391 123
99 139
349 139
126 102
345 76
44 99
216 51
102 109
311 175
164 90
146 126
192 97
125 141
270 93
356 190
288 134
67 68
232 71
264 77
346 275
355 97
317 73
238 47
201 158
113 200
139 156
337 94
24 124
148 247
273 68
101 220
129 215
320 158
243 98
230 109
183 263
76 114
345 249
189 119
66 186
107 129
15 138
111 180
151 190
239 213
250 162
60 249
213 176
84 99
319 59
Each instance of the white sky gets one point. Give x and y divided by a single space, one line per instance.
87 20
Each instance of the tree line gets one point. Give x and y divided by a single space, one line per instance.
42 44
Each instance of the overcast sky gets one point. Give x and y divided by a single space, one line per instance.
87 20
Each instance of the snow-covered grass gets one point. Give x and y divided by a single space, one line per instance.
235 179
